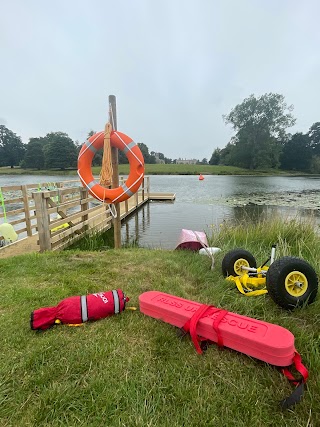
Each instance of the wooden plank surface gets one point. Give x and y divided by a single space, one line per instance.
162 196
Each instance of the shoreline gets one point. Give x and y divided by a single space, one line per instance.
154 170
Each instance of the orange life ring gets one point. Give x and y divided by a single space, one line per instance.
136 162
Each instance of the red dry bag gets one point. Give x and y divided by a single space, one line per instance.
80 309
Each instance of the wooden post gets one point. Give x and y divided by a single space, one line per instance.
26 209
115 175
60 197
136 218
84 194
143 184
43 221
148 187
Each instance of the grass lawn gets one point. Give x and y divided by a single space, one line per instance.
132 370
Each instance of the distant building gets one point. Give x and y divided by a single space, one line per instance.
186 161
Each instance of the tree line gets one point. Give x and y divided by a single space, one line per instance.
261 140
56 150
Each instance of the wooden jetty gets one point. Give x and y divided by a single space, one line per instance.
49 217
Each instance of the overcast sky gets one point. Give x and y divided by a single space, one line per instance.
175 66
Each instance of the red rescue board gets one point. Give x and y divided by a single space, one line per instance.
265 341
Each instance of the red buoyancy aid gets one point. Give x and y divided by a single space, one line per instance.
80 309
265 341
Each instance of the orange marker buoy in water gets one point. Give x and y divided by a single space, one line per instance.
201 177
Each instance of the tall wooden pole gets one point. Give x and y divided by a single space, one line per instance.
115 175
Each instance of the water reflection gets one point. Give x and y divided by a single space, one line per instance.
134 228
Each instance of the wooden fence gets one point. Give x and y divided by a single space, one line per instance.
62 212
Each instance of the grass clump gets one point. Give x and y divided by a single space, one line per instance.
293 237
132 370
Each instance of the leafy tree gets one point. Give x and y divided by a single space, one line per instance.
268 148
227 154
78 146
145 152
97 159
215 158
12 149
204 161
152 158
34 156
297 153
315 164
122 158
60 151
260 123
314 135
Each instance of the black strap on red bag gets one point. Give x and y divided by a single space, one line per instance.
191 327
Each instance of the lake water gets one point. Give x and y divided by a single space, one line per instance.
202 205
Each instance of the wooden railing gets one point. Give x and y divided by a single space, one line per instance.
61 212
19 205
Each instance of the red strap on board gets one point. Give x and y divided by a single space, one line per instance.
191 325
216 323
299 367
297 394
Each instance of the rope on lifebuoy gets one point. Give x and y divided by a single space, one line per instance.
90 143
106 167
129 149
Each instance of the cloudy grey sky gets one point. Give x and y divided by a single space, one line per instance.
175 66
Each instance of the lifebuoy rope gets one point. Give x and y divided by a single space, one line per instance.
129 148
88 144
106 172
89 186
127 189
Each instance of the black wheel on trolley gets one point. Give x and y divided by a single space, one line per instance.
292 282
234 260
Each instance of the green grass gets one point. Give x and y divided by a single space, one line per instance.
159 169
132 370
19 171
